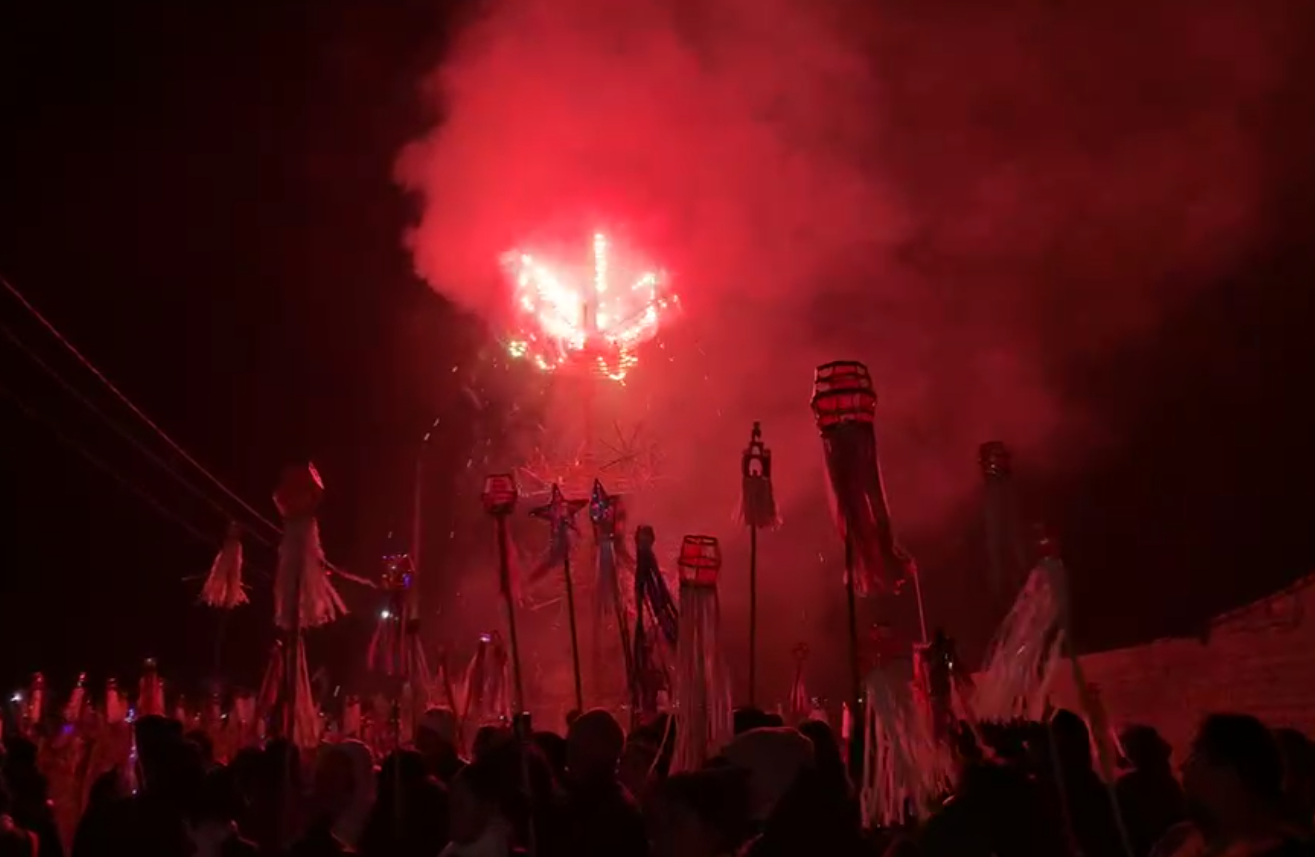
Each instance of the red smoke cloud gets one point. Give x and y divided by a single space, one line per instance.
967 196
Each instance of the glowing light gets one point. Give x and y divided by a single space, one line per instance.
385 614
595 326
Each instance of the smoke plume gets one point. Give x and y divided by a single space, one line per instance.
973 198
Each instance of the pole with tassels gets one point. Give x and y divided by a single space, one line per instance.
607 512
844 407
757 511
303 595
499 497
560 514
703 693
653 597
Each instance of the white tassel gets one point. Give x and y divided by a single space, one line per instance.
115 709
905 770
1027 649
73 709
703 690
223 586
302 570
306 720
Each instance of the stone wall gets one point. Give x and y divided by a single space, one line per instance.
1259 659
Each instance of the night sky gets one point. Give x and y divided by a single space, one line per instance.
204 199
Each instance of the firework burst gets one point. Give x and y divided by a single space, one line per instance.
594 321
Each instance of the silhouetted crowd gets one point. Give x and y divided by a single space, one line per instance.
1244 790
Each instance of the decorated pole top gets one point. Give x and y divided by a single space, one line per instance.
756 461
602 506
500 494
559 511
800 652
607 511
843 393
645 538
397 574
995 460
234 531
299 491
699 561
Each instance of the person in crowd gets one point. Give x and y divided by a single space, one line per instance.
1298 776
600 818
480 823
787 806
830 764
410 815
746 718
701 814
436 741
212 823
345 787
1077 799
1149 795
29 795
1233 779
636 769
154 820
205 744
15 841
994 809
553 748
488 738
342 794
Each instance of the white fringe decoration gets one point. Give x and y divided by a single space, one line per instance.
905 770
306 719
223 586
703 690
1027 649
301 570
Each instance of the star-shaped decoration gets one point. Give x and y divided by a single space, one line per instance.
600 503
559 511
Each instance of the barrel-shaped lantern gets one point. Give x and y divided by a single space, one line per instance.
299 491
699 561
842 393
500 494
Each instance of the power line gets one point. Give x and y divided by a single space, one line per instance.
140 414
141 494
118 428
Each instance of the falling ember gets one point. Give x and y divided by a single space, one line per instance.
588 322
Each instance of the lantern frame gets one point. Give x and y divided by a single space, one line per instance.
300 490
843 393
699 560
500 494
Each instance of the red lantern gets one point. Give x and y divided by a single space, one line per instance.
500 494
299 492
842 393
699 561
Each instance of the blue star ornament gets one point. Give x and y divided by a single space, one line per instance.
559 511
600 503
